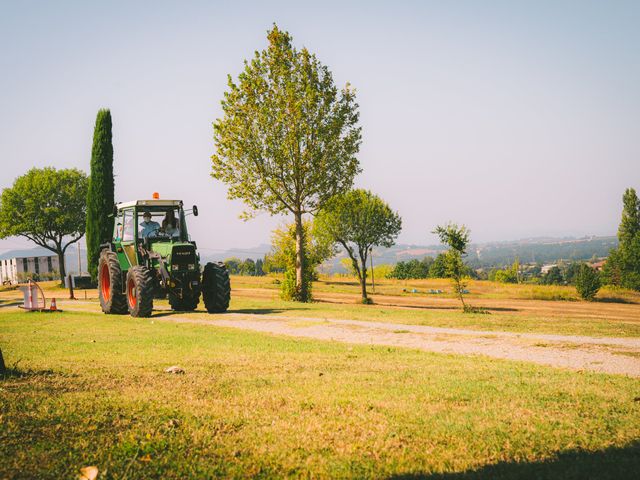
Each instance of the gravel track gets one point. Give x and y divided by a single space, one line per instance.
605 355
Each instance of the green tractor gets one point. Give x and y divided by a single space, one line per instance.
151 256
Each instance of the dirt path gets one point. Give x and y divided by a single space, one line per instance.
607 355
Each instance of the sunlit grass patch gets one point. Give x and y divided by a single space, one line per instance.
94 391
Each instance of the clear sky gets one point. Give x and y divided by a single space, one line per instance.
516 118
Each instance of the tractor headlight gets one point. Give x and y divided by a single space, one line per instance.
192 266
174 267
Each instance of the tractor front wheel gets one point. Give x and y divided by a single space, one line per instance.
112 300
139 291
216 288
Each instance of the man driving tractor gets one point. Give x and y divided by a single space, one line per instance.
149 227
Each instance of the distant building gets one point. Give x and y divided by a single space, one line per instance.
599 264
545 268
18 265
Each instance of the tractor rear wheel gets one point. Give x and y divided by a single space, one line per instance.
187 303
216 288
140 291
112 300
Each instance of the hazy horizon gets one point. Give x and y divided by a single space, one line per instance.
519 121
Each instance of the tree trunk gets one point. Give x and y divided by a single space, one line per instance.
3 367
460 294
63 270
301 286
363 279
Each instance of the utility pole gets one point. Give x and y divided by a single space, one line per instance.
373 280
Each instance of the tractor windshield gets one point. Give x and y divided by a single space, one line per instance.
159 223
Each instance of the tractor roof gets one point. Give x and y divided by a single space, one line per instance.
150 203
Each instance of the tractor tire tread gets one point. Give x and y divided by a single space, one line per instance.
117 304
216 287
143 279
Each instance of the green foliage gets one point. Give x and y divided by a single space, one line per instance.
412 269
47 206
508 275
259 271
630 222
382 271
457 239
439 267
553 276
283 257
233 265
288 138
358 220
587 282
571 272
100 195
623 264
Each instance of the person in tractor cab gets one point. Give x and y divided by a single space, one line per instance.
170 224
149 227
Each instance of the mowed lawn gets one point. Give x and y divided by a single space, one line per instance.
90 389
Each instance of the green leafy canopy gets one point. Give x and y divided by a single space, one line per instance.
288 138
47 206
358 220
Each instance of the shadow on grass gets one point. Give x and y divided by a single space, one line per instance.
15 372
611 463
248 311
329 282
614 300
10 303
265 311
417 307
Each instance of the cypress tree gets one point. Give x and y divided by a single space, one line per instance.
100 198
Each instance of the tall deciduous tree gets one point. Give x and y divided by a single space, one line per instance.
457 239
359 220
48 207
288 139
100 197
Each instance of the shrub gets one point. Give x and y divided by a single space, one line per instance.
587 282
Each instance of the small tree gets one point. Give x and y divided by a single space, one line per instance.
283 257
288 138
587 282
100 195
358 220
457 239
48 207
438 268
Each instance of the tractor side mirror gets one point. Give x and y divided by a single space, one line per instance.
195 210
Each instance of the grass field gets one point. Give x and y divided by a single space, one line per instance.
90 390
